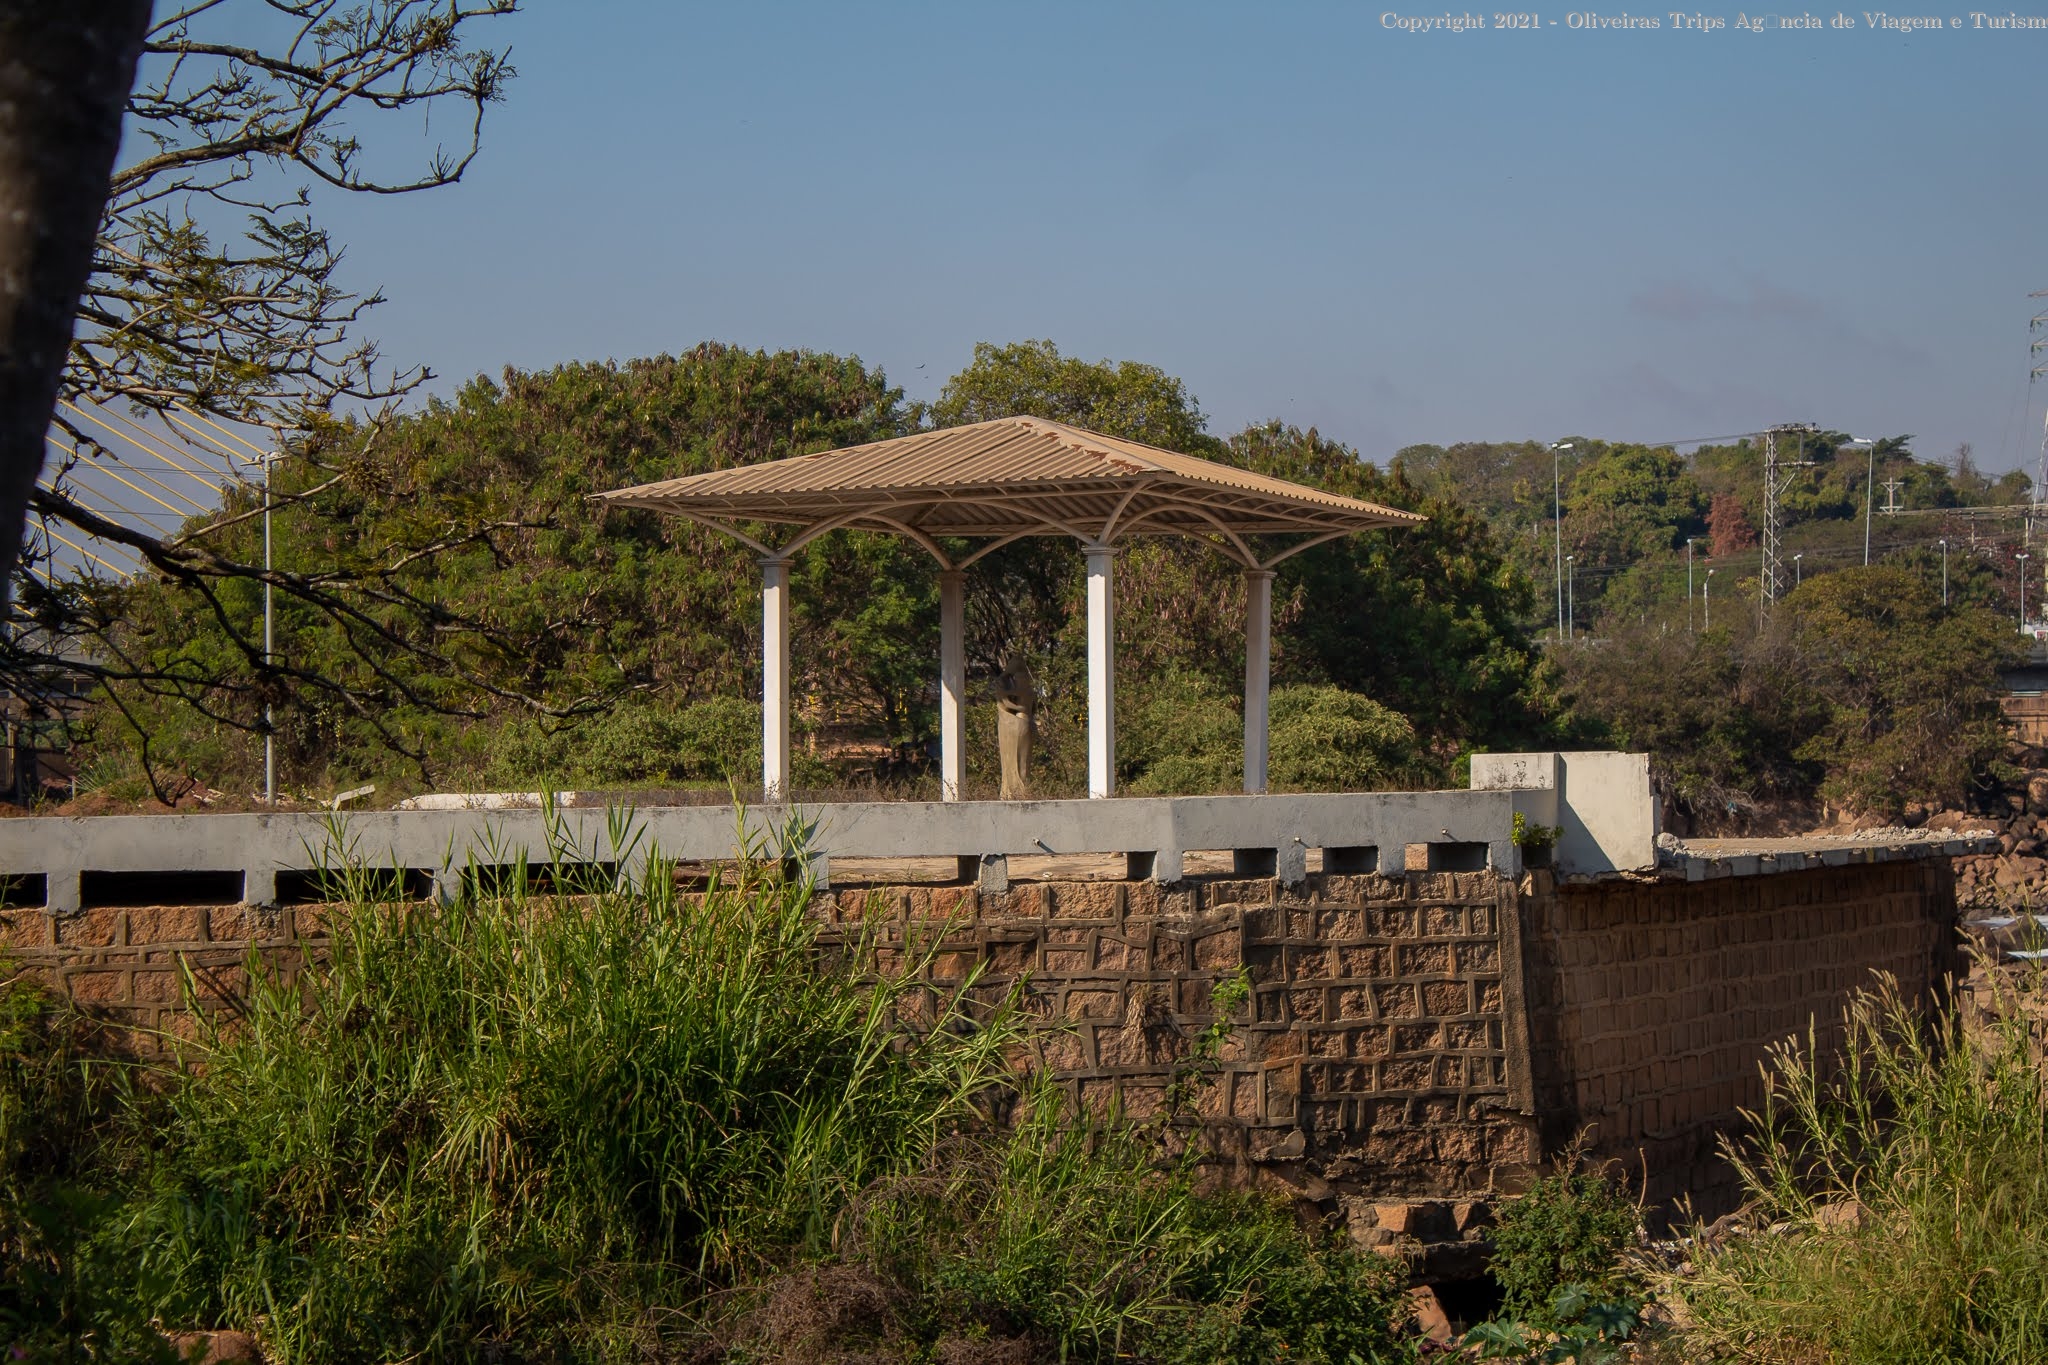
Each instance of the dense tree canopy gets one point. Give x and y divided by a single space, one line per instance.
594 644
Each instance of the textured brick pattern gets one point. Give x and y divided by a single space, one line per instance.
1377 1038
125 962
1651 1006
1428 1036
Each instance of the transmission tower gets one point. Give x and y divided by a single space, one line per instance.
1778 476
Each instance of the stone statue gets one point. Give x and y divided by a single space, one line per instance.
1016 724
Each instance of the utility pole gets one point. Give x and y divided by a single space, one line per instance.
1688 582
269 646
1891 495
1557 528
1778 475
1571 596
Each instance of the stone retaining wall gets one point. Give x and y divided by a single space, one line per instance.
1414 1043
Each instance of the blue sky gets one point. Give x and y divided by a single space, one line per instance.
1393 236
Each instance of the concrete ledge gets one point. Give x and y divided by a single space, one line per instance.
1699 860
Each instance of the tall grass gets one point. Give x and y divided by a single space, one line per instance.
1071 1233
1910 1190
533 1121
607 1125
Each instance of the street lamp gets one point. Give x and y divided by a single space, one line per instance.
1557 525
269 645
1688 580
1869 490
1571 596
1707 598
1798 570
1944 571
2023 557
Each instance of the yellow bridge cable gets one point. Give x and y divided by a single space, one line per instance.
255 452
114 474
198 456
111 568
196 478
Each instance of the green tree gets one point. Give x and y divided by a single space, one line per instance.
1425 620
1909 688
573 605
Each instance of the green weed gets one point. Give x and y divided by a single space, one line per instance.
1908 1189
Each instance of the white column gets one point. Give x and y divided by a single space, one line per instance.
774 679
952 682
1101 674
1258 672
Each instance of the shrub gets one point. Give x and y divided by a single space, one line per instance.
1180 736
1327 739
1570 1229
61 1102
1911 1166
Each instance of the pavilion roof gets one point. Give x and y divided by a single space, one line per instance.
1005 479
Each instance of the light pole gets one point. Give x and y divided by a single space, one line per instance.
1571 596
1688 580
269 646
2023 557
1557 526
1707 599
1944 571
1798 570
1869 490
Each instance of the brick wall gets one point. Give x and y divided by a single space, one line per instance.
1650 1005
1413 1043
1382 1053
124 961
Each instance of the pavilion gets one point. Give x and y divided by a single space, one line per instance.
989 484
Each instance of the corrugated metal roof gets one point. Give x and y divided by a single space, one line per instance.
1012 476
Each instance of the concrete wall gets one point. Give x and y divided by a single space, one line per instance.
1602 802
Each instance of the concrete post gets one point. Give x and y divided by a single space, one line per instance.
952 683
774 679
1101 674
1258 673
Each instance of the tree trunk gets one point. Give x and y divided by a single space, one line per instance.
65 73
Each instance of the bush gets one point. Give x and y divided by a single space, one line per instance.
714 741
1570 1229
62 1100
1911 1166
1327 739
1180 736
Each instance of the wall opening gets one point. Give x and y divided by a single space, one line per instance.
96 889
380 886
1352 860
24 891
1457 857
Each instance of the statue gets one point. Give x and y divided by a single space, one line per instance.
1016 724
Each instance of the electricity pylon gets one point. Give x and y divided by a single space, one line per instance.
1778 475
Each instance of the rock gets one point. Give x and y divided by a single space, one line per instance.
215 1348
1430 1319
1843 1213
2037 793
